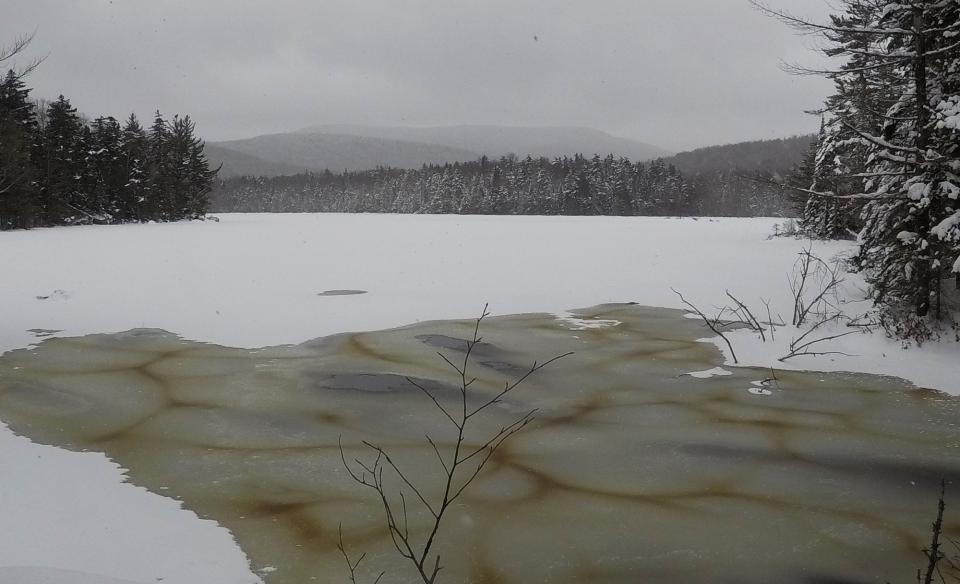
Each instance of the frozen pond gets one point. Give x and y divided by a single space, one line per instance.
633 472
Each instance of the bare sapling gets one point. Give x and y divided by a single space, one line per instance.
460 461
814 286
940 565
714 324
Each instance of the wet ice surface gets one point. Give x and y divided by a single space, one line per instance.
634 470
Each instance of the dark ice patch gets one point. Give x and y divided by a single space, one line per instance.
341 292
371 382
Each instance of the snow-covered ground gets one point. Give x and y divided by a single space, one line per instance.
68 518
257 280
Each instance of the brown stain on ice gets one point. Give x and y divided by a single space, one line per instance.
281 500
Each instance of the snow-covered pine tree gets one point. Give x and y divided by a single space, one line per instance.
908 54
861 94
62 164
18 136
104 172
199 179
133 193
159 205
911 222
620 188
820 217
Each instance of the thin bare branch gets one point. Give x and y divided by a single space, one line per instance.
461 467
710 324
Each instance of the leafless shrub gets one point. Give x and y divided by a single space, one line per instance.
770 322
804 344
460 467
714 324
789 228
814 285
746 317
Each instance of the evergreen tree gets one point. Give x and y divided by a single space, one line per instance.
892 140
62 161
19 207
133 194
105 170
56 169
189 173
159 204
820 217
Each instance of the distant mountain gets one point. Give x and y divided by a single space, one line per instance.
336 152
339 148
766 156
497 141
236 163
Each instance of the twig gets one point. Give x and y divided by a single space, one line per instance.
712 325
751 320
933 553
460 468
351 566
797 350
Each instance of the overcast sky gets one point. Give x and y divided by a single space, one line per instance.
675 73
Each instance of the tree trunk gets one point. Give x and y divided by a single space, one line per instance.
923 220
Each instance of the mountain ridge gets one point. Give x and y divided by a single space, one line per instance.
353 147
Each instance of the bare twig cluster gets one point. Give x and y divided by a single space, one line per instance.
737 316
814 288
461 465
17 46
804 344
747 318
715 324
814 285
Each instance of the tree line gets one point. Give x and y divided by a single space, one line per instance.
886 164
509 186
56 168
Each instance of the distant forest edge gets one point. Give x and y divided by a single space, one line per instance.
59 168
731 180
56 168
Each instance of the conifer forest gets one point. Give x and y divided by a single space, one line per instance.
57 168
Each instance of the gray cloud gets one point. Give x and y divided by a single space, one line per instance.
676 73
